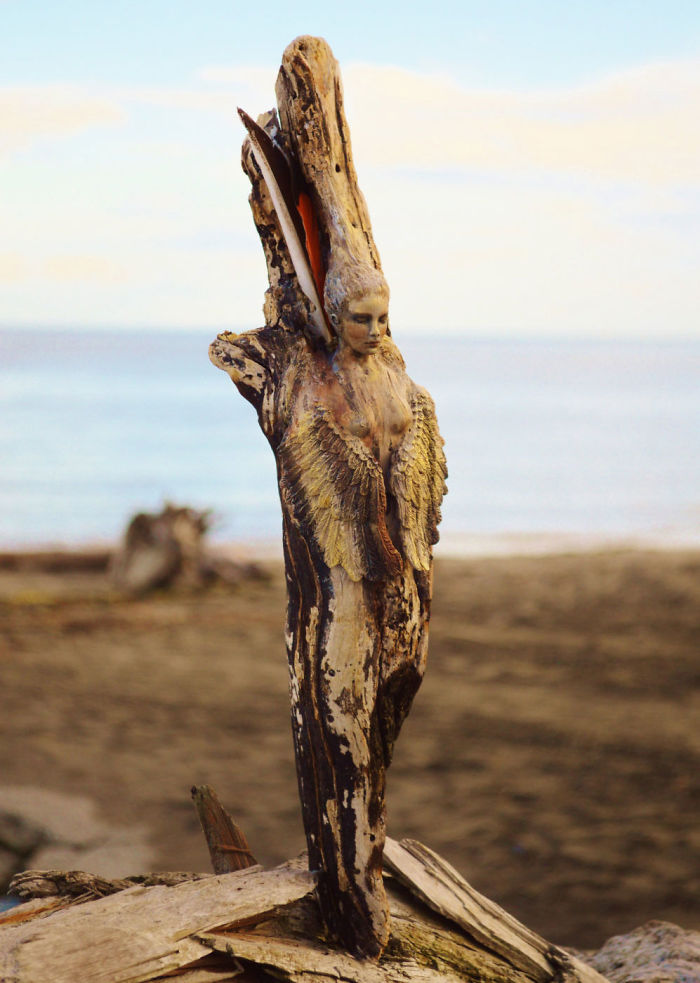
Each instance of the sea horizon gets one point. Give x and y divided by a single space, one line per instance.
549 440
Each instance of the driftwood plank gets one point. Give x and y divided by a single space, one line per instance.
233 973
302 961
35 908
140 933
297 959
444 890
422 937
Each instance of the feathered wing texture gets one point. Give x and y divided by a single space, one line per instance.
335 489
418 472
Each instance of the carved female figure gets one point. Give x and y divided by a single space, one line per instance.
361 476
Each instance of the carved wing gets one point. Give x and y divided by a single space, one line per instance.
418 472
295 228
335 489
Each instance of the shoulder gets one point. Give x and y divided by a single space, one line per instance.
390 355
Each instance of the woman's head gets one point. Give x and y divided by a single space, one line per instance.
356 299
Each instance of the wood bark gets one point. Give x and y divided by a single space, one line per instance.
361 475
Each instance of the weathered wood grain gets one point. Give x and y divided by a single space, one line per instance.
78 884
210 970
312 114
270 921
444 890
141 933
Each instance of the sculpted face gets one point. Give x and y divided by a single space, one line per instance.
363 323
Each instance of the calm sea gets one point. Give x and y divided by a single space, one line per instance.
587 439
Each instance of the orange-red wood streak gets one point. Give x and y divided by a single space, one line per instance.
313 240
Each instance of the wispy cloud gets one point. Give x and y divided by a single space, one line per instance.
13 267
30 113
83 267
639 126
564 210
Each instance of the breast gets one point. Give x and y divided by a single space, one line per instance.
398 416
359 426
395 408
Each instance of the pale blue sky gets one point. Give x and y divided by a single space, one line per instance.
492 43
531 168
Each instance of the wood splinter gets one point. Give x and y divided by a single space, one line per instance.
227 843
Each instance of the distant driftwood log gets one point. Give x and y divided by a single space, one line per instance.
160 547
168 548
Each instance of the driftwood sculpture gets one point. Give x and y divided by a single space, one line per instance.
361 476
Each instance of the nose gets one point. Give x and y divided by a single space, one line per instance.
374 328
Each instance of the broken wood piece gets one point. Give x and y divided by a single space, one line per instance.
430 878
31 909
210 970
80 884
295 960
256 922
228 846
423 948
143 932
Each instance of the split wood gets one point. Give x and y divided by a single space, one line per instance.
256 925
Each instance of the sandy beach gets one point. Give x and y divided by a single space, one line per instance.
553 754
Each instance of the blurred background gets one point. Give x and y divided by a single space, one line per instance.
533 176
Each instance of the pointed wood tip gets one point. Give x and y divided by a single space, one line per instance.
227 843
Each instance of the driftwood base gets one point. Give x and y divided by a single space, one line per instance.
252 923
256 925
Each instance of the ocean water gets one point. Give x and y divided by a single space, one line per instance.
543 438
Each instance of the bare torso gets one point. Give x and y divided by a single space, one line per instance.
369 397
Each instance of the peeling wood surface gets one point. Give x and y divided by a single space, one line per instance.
140 933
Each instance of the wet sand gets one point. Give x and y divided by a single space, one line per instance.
553 753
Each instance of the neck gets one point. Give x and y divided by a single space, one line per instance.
346 357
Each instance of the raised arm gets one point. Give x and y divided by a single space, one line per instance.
245 360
